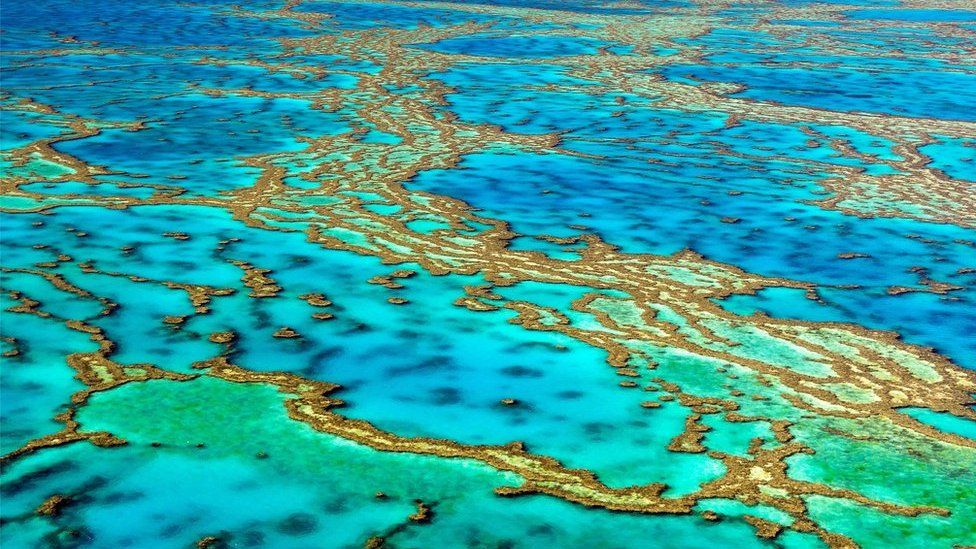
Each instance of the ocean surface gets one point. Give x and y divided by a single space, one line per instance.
551 273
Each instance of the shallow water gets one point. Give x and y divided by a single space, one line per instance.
334 273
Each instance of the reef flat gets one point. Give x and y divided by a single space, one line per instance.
311 273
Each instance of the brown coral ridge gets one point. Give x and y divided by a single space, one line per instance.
492 242
286 333
542 474
751 479
98 372
52 506
74 127
257 280
424 514
316 300
940 197
894 374
887 373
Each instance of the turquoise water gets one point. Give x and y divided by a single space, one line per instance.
582 273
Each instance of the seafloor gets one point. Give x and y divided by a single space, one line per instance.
553 273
